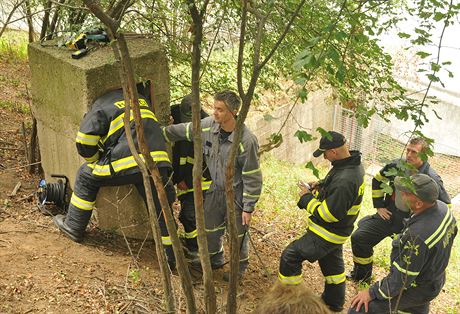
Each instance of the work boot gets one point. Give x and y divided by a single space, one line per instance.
74 235
353 275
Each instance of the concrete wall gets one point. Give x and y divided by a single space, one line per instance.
317 111
63 89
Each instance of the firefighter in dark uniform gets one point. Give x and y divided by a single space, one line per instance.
182 177
217 134
420 253
102 141
334 204
388 220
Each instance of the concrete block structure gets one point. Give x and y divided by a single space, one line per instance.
63 89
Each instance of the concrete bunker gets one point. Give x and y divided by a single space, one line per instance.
63 89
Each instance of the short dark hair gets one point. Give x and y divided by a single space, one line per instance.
230 99
419 141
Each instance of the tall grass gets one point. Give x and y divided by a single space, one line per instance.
13 46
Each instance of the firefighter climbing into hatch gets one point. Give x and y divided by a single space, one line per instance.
102 141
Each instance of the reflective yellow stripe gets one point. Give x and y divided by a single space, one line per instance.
101 170
381 292
311 206
87 139
215 229
205 185
441 231
290 280
381 178
182 161
354 210
244 259
324 212
335 279
129 162
405 271
205 129
241 148
187 131
166 240
117 123
363 260
81 203
192 234
377 193
92 158
251 195
219 251
251 171
165 135
326 235
190 160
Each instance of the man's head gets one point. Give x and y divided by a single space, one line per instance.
415 146
417 193
226 106
332 146
186 108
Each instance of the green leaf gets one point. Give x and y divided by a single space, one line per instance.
438 16
323 133
432 77
435 67
303 94
268 117
315 170
423 54
403 35
304 136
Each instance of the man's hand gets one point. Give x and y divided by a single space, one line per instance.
246 218
363 297
303 189
182 186
384 213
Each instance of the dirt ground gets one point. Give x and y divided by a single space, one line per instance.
41 271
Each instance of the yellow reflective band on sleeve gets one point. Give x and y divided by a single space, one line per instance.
183 192
251 195
377 193
159 155
290 280
187 131
165 135
192 234
101 171
81 203
215 229
217 252
441 231
205 185
363 260
324 212
326 235
354 210
166 240
182 161
335 279
405 271
190 160
251 171
205 129
311 206
241 148
449 206
87 139
93 158
381 292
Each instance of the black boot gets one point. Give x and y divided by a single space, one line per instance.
361 273
73 225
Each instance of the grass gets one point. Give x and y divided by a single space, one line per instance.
278 207
14 106
13 45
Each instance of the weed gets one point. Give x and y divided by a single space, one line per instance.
13 46
135 275
14 106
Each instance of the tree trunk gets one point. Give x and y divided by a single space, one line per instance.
30 22
46 19
209 292
10 15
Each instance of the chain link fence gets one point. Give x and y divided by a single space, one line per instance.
379 148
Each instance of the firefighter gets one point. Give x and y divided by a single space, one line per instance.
334 204
102 141
182 177
388 220
420 253
217 134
